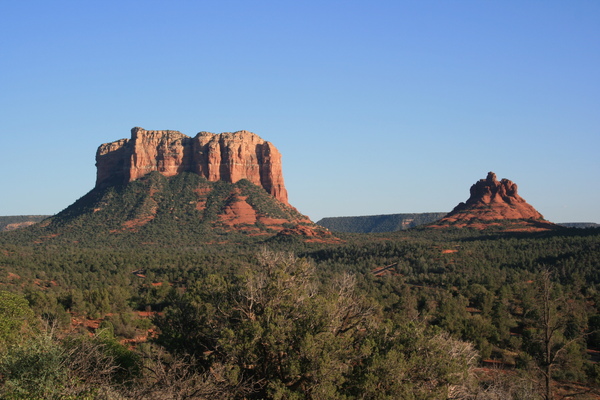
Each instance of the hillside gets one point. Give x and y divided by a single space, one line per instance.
185 209
378 223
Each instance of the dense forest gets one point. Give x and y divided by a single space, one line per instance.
141 291
418 314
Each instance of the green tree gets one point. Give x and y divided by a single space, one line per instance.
16 318
552 338
294 339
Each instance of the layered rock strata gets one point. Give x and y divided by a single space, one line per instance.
496 200
226 156
492 201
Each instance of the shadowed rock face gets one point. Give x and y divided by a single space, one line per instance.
493 200
228 157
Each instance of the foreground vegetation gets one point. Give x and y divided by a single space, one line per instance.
421 314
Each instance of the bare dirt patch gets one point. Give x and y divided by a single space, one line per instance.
238 212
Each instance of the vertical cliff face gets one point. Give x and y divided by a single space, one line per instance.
168 152
240 155
110 162
227 156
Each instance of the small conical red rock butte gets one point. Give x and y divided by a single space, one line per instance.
494 202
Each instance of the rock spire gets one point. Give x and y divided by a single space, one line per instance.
491 202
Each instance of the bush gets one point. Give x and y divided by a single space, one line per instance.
45 367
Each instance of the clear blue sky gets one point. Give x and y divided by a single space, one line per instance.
378 107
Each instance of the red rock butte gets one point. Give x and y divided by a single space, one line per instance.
492 201
226 156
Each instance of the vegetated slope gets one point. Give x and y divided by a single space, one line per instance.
178 210
12 222
379 223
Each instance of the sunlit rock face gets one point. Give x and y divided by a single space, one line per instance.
226 156
491 202
493 199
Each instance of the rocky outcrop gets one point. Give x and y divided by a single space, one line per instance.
228 157
492 202
495 199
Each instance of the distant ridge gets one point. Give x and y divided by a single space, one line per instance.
12 222
379 223
579 224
